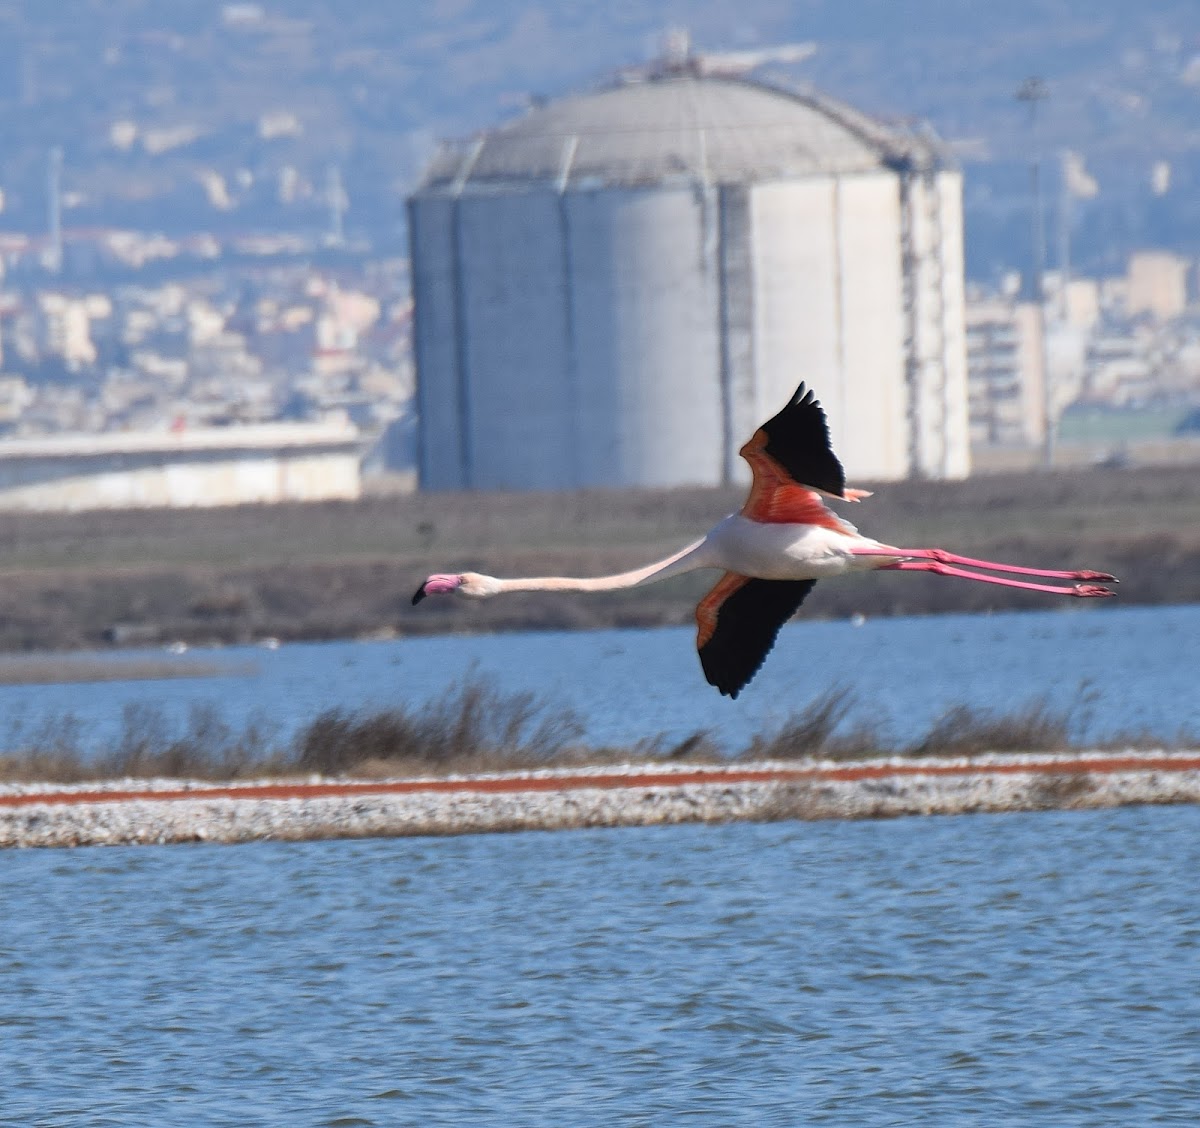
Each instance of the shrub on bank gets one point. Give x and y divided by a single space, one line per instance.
476 727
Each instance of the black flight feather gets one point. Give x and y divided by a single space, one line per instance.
748 623
798 439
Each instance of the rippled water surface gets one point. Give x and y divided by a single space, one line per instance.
1039 969
1121 669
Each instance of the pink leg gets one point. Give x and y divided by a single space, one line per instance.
940 569
944 557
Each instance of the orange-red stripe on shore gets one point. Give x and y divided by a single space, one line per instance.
608 780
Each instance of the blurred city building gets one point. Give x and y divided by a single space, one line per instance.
1157 285
221 353
1122 358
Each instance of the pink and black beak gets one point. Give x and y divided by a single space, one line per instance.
436 585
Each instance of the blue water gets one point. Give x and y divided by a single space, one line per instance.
1029 969
1121 670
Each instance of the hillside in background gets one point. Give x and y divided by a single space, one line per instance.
197 116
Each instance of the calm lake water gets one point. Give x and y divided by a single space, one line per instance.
1120 669
1029 969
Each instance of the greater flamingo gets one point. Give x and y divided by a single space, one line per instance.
773 551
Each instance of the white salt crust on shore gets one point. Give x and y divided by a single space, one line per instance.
1043 785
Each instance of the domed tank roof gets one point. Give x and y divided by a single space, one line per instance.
677 126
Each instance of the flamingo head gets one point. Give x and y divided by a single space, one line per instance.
470 584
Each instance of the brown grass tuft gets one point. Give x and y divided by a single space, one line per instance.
475 727
966 731
818 731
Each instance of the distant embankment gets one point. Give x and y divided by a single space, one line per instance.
345 569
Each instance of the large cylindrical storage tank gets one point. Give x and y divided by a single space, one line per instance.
616 289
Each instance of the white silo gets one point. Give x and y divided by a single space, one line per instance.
616 289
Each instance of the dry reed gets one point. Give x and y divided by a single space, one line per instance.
476 727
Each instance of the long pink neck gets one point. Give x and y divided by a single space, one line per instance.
685 560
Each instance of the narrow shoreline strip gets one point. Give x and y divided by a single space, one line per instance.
569 781
171 811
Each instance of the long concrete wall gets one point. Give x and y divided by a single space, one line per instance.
84 474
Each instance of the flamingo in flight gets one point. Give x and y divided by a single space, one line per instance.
774 549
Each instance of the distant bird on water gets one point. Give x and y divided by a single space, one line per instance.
773 551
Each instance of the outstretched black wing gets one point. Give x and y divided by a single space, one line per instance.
797 439
739 621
